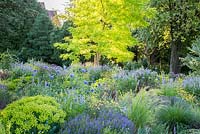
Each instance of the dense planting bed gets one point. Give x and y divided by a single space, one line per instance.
40 98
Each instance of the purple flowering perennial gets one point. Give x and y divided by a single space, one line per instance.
85 124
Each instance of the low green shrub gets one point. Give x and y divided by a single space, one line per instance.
33 115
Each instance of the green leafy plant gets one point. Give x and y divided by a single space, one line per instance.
34 115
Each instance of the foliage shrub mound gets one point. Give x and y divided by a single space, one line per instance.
32 115
104 122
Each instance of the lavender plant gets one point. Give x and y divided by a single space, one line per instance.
87 124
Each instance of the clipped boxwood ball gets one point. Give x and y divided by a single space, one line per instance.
33 115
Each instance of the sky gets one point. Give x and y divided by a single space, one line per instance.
58 5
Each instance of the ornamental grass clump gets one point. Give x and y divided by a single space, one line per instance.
140 110
32 115
175 115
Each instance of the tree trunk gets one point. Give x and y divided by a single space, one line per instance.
97 58
174 59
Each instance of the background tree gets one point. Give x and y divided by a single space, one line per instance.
177 23
16 19
104 28
58 35
153 47
37 44
192 60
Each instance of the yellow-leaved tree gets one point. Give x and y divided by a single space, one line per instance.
104 28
